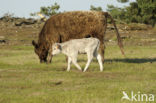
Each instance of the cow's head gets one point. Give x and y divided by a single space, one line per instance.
40 51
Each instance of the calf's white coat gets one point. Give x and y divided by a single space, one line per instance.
72 48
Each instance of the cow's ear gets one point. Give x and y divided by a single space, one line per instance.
34 44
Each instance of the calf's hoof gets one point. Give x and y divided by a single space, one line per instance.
84 71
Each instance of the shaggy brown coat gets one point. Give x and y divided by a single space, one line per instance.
72 25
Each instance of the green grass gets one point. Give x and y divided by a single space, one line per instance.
24 80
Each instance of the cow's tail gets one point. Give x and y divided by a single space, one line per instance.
117 33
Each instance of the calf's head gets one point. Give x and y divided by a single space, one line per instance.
40 51
56 48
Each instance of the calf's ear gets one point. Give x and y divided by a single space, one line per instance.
59 46
34 44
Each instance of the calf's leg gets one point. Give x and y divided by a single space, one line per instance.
90 57
100 62
69 62
74 60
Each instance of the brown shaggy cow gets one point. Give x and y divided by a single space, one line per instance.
73 25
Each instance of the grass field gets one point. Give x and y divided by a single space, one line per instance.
24 80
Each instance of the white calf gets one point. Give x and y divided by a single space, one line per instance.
73 47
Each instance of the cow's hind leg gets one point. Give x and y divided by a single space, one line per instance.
102 50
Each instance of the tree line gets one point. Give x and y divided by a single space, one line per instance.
140 11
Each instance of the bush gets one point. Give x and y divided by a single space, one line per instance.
48 11
141 11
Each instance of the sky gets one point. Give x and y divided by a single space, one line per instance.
23 8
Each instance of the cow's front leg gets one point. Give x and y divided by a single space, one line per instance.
49 57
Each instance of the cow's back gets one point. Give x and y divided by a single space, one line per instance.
74 25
